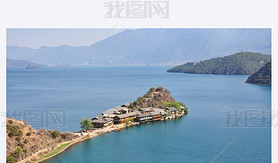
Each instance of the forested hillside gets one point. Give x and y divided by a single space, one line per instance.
237 64
261 77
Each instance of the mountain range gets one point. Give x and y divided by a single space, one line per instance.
151 47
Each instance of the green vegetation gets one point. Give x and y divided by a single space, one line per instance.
64 135
86 124
177 105
262 77
60 148
9 159
14 131
17 153
127 123
18 139
55 133
10 122
237 64
186 110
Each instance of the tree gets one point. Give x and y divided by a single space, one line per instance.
86 124
55 133
127 123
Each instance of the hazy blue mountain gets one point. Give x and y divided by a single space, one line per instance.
152 47
21 63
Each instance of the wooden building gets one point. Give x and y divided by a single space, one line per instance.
144 118
99 123
121 119
172 111
156 116
145 110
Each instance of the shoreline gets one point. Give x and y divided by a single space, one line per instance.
86 136
89 135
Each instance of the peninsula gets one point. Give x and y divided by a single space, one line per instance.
25 144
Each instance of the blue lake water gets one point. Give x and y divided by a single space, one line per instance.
199 136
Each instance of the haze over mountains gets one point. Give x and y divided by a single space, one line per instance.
21 63
151 47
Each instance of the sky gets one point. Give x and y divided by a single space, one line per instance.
37 37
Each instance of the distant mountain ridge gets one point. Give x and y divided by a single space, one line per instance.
261 77
237 64
151 47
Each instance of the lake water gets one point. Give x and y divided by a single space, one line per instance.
199 136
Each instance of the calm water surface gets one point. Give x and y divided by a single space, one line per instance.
197 137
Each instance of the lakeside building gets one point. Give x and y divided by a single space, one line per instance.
145 110
123 114
171 111
120 119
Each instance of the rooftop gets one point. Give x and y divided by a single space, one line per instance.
98 121
172 109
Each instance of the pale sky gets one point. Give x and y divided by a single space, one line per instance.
37 37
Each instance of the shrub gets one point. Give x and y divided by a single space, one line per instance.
29 133
145 96
159 89
152 89
186 110
13 130
64 135
17 139
55 133
21 145
25 141
10 121
19 133
17 152
9 159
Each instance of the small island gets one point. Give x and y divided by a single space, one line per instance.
30 66
25 144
